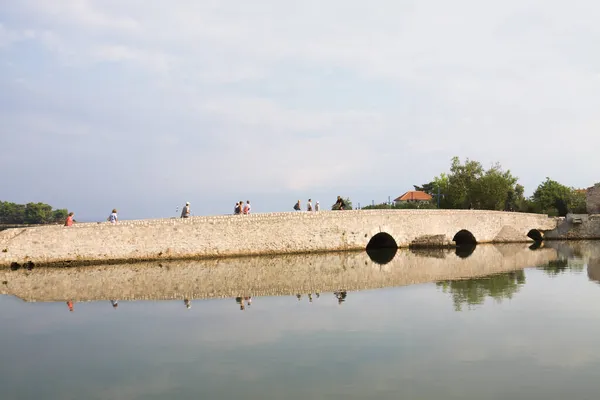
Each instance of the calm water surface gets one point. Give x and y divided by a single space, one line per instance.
525 334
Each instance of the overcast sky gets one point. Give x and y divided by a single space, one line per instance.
145 104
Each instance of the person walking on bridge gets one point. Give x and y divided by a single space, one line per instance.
185 212
113 218
69 221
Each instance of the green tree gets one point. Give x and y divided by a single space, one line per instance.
468 184
11 213
32 213
60 215
461 180
553 198
577 202
38 213
494 190
474 291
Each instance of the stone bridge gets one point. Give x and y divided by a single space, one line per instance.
260 234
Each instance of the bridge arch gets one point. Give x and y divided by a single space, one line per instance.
464 237
536 235
382 248
382 240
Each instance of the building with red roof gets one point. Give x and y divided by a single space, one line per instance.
414 196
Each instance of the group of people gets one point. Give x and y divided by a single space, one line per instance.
112 218
309 206
241 208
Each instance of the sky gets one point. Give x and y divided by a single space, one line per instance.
142 105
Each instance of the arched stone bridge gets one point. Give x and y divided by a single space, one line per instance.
258 234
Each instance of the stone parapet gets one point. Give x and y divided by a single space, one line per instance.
257 234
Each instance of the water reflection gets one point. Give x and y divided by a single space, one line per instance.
472 292
265 276
465 250
536 245
382 256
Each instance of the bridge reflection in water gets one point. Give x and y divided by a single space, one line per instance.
266 276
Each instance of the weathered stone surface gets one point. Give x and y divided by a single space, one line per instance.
567 229
592 199
256 234
263 276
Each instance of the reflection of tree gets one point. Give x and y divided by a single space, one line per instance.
556 267
474 291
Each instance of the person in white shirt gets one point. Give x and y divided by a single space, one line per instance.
247 207
317 206
309 205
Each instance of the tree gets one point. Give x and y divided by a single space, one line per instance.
461 181
38 213
469 184
577 202
553 198
60 215
32 213
494 190
347 201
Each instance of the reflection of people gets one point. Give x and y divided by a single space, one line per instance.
115 303
187 303
185 211
240 301
299 296
70 305
341 296
248 300
69 221
310 297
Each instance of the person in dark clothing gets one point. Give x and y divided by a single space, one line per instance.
339 204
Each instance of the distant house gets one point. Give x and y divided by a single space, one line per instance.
414 196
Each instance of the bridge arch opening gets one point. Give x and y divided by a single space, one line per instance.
536 235
382 248
382 240
464 237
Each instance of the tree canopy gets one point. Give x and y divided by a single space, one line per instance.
469 185
30 213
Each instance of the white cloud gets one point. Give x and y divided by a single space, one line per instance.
290 90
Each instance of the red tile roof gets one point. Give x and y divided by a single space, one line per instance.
414 195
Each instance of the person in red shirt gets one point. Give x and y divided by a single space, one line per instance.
69 221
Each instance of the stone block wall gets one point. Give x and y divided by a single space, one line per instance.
592 199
